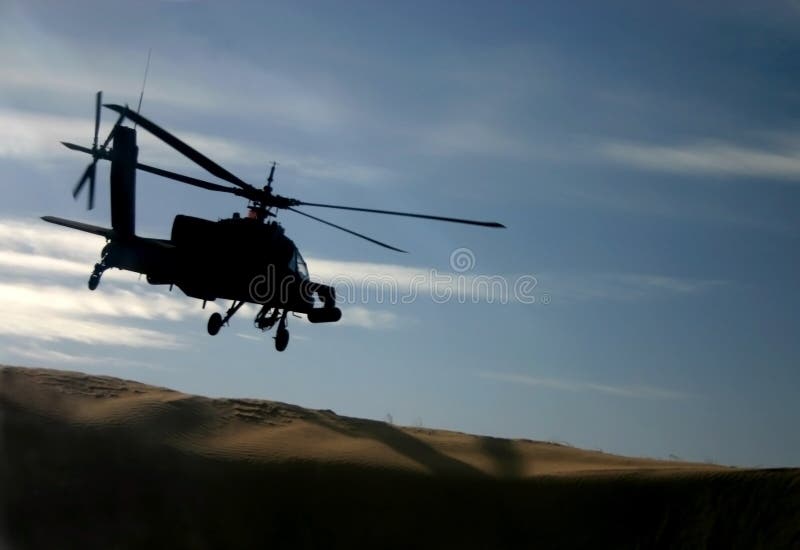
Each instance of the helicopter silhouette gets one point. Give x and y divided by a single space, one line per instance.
245 259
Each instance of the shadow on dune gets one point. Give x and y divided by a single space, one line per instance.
507 461
401 442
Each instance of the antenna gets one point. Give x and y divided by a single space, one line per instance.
271 174
144 82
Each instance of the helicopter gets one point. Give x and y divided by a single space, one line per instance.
244 259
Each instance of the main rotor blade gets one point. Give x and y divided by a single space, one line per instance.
183 148
407 214
100 153
348 231
190 180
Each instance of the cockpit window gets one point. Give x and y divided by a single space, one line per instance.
298 264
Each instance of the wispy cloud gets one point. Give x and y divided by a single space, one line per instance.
112 302
26 262
50 356
235 153
189 79
356 279
677 285
331 270
572 287
245 336
362 282
362 317
36 137
640 392
32 136
709 158
472 137
176 79
36 248
45 299
40 324
33 256
38 238
39 304
663 202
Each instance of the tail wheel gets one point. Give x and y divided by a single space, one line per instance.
214 323
94 278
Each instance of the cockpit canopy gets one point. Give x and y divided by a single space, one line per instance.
298 264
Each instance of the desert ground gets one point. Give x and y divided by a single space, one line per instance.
100 462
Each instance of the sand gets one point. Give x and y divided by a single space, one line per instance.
95 461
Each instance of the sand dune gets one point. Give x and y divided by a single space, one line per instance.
98 461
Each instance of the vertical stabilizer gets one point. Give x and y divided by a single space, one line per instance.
123 182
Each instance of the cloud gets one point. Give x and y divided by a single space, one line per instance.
248 336
660 201
620 286
674 285
41 324
49 249
112 302
49 357
45 307
188 81
33 255
36 138
22 261
43 271
708 158
361 317
229 152
38 238
365 282
38 249
186 77
640 392
362 282
330 271
471 137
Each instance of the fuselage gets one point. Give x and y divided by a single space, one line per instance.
238 259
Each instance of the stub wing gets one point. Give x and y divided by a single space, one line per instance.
80 226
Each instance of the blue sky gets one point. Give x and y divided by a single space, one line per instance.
644 156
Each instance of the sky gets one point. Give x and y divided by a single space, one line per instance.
644 156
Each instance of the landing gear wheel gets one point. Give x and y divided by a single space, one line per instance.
214 323
281 339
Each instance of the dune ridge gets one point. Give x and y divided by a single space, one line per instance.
106 461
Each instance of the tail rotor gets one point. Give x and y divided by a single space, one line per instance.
97 152
91 170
